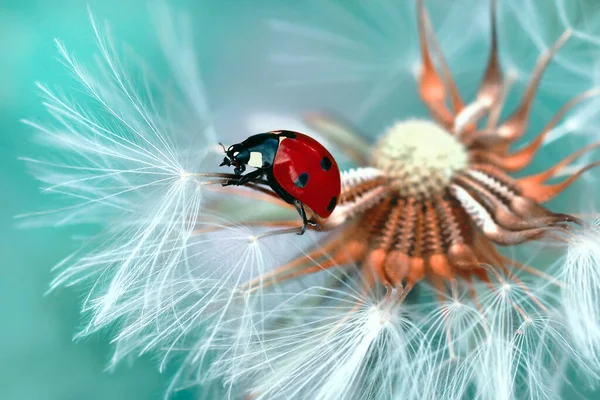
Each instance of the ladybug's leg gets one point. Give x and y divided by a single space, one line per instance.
305 221
249 177
300 208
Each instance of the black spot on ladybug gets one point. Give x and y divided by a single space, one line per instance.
332 204
326 163
302 180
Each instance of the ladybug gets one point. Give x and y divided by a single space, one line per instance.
297 167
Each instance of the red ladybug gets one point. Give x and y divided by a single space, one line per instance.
297 167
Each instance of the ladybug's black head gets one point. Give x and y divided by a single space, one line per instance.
238 156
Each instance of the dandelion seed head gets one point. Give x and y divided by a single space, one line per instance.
502 330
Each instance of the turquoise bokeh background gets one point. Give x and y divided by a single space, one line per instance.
38 359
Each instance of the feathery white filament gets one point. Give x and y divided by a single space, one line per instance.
125 160
581 294
325 351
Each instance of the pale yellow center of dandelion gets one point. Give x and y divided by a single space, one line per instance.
419 157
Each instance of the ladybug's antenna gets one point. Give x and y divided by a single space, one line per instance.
226 160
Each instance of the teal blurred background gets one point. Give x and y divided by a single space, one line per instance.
38 359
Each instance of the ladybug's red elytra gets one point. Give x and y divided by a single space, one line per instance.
297 167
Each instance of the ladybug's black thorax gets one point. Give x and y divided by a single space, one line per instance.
264 146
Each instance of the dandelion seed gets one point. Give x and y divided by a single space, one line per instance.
323 345
129 159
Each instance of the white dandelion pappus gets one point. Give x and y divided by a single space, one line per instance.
128 159
330 342
497 340
527 341
509 339
535 25
538 24
580 272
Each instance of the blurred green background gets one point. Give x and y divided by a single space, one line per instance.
38 359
